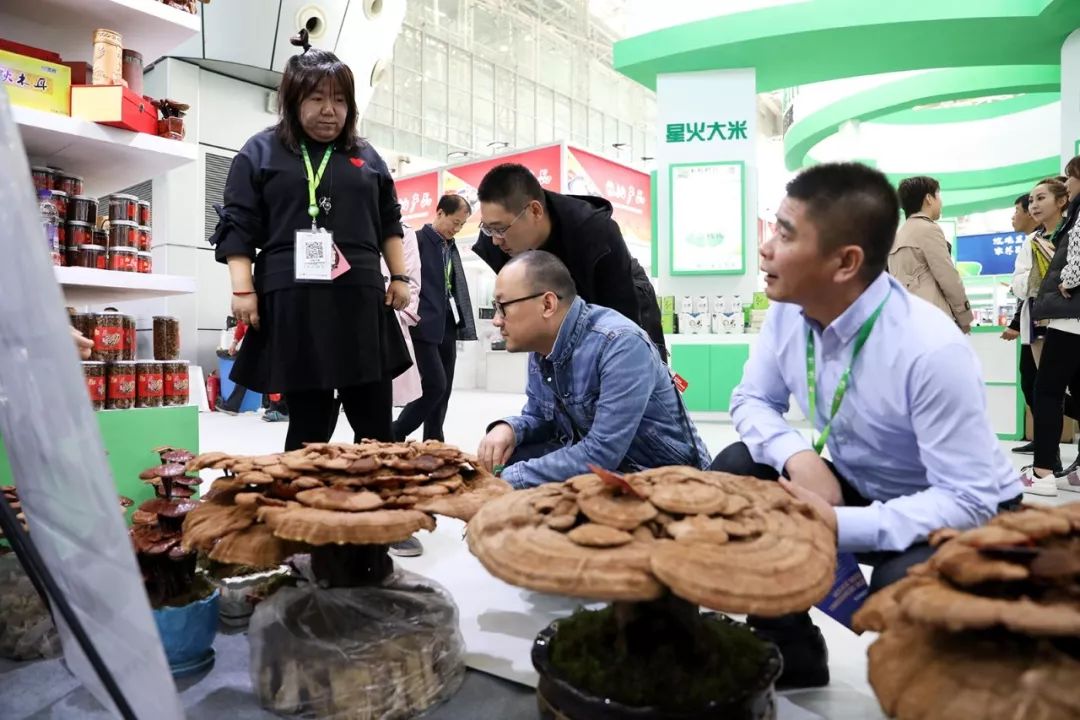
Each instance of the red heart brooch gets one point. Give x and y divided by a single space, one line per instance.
358 162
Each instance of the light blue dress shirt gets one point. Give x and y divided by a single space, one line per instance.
912 435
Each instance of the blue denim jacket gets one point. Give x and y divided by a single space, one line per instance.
604 394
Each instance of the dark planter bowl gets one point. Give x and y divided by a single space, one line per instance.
187 633
566 702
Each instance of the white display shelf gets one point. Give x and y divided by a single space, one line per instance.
67 26
87 286
107 158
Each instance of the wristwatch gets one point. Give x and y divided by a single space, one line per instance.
401 278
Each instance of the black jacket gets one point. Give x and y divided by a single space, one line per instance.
266 202
434 303
588 240
1050 304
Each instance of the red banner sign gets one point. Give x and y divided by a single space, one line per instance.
545 163
419 197
627 190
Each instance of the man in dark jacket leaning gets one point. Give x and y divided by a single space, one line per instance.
518 215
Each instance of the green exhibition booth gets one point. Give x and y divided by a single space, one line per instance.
967 91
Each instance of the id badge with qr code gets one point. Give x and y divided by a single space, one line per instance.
314 256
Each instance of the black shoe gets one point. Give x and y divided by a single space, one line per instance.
1025 449
1056 469
1075 466
806 658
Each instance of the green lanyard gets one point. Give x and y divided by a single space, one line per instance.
449 269
845 379
313 180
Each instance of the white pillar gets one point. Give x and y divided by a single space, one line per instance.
1070 97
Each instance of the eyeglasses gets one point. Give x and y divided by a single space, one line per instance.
500 307
488 230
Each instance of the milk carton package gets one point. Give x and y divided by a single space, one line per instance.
686 305
701 305
716 323
716 304
699 323
733 322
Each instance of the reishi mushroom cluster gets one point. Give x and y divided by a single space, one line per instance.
725 542
267 508
987 627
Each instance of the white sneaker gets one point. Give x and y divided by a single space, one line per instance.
1035 485
1070 482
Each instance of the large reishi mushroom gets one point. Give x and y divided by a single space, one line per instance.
327 496
984 627
778 558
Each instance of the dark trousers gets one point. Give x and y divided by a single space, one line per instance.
235 399
1028 370
436 363
1059 368
313 413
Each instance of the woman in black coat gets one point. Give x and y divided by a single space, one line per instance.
322 321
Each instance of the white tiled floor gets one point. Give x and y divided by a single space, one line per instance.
847 697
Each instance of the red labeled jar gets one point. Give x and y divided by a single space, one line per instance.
142 238
71 184
175 375
44 178
94 373
82 208
129 337
120 394
123 234
87 256
60 201
146 263
123 259
79 233
150 384
108 337
144 212
123 207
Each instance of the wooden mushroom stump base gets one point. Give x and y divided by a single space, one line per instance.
987 627
343 505
657 544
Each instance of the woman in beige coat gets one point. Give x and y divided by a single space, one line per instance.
921 258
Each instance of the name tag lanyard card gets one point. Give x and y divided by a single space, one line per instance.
314 249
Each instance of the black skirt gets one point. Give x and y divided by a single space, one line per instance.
321 337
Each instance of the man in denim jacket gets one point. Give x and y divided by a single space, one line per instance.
597 391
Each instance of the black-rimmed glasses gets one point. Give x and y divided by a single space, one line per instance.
501 233
500 307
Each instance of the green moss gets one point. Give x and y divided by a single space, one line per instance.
704 658
200 589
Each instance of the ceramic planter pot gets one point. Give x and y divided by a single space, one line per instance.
187 634
559 700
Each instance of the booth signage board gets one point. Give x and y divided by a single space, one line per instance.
706 153
628 191
708 223
419 197
993 253
545 163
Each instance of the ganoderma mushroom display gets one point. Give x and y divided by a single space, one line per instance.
341 503
361 644
987 627
658 544
729 543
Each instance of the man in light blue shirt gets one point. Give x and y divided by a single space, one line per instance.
911 444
